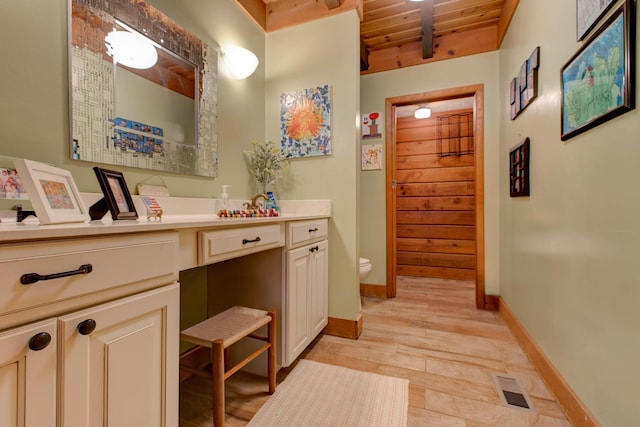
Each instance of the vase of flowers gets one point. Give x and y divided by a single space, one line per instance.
266 163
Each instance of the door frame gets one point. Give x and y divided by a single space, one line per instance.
477 92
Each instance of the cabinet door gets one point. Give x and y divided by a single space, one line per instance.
28 376
296 309
319 288
123 373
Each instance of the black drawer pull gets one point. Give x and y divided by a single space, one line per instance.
29 278
312 230
39 341
313 249
245 241
86 326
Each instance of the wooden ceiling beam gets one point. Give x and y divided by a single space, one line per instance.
257 10
332 4
507 13
447 47
364 56
426 21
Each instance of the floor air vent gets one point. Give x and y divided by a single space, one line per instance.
511 392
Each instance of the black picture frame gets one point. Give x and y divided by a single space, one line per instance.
523 88
585 23
583 76
519 169
117 198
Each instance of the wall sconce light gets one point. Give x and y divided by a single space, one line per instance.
423 112
240 62
131 49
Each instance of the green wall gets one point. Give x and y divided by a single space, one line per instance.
306 56
568 253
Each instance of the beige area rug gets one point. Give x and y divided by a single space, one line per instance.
317 394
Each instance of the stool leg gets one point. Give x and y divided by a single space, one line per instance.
217 368
271 353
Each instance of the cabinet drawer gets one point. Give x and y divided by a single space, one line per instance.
303 232
219 245
115 261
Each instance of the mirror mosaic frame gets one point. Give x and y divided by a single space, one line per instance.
92 86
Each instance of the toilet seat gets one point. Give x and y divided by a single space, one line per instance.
365 267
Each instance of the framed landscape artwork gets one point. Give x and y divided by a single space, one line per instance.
598 81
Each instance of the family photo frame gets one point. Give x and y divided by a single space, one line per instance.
117 198
52 192
598 82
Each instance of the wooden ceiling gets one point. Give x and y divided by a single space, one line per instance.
401 33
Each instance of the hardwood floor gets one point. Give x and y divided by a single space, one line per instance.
431 334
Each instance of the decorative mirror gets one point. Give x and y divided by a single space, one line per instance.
143 89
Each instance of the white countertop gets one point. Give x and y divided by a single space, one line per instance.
179 213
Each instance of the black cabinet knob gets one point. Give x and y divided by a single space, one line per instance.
86 326
39 341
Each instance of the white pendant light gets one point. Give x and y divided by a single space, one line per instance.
423 112
240 62
131 49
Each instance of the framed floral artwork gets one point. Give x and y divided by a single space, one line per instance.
305 122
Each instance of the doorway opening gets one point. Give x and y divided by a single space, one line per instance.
458 141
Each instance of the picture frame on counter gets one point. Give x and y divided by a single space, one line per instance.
117 198
52 191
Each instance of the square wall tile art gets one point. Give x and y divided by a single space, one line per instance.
305 122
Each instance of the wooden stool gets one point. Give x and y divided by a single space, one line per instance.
221 331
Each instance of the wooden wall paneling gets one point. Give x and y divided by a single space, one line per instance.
464 232
436 217
432 182
460 188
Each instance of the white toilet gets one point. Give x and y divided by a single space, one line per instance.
365 268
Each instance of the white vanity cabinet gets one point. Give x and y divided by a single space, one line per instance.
114 359
306 288
110 307
28 375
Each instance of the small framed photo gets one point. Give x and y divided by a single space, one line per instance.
117 198
519 169
52 192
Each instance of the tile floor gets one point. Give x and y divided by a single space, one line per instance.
431 334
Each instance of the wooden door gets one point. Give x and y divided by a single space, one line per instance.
123 372
391 133
435 196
